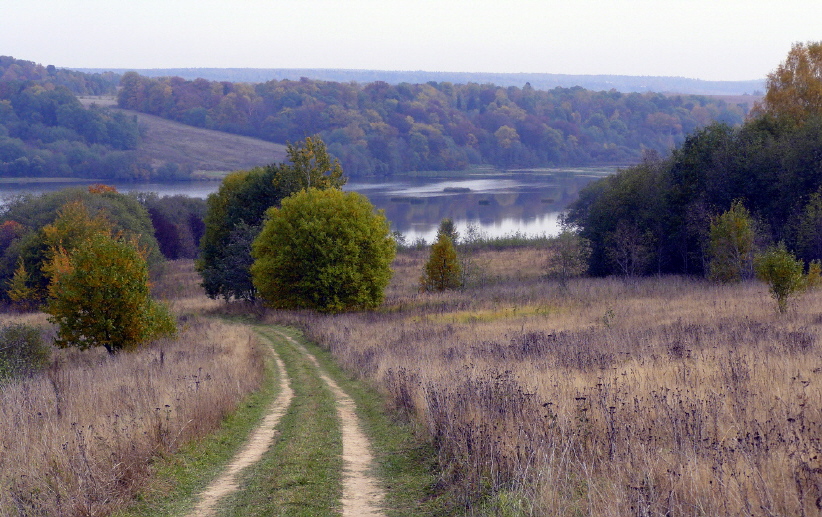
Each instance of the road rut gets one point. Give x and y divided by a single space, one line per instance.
257 445
362 495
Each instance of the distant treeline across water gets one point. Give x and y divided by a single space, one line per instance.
379 128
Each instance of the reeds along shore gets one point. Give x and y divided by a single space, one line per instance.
657 396
77 439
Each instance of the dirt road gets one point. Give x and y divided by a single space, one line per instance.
361 494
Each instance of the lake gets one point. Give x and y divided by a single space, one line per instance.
527 202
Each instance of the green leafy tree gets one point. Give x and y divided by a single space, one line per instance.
310 167
778 268
731 245
442 271
33 214
325 250
241 203
99 296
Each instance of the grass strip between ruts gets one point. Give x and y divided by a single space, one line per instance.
301 474
405 466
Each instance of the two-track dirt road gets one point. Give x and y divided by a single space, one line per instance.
361 493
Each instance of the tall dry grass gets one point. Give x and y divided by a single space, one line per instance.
79 438
668 396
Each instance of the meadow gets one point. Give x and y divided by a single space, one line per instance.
606 396
652 396
79 438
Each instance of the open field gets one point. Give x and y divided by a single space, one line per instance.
211 154
78 438
659 396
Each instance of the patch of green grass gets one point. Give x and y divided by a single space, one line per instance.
179 477
406 467
301 474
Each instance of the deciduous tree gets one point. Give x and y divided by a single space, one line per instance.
795 87
568 256
442 271
242 201
731 245
325 250
99 296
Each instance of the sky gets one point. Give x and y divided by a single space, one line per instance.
700 39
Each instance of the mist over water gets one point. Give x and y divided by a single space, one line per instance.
496 204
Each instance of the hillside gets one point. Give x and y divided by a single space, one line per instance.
207 153
378 129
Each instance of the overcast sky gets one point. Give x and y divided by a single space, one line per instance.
704 39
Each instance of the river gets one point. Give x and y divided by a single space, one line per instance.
495 203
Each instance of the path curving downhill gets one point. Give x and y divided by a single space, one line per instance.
362 495
252 451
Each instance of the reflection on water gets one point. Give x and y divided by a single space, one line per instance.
496 204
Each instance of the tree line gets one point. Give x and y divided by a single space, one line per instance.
663 215
379 128
46 132
79 83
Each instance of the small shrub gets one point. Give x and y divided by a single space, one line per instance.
22 351
778 268
442 271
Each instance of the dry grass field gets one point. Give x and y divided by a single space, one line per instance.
77 439
211 154
658 396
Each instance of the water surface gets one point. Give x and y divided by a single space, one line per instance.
495 203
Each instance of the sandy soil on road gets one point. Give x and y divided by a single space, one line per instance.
361 497
254 449
361 494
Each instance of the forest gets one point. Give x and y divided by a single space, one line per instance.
45 132
374 128
659 213
380 128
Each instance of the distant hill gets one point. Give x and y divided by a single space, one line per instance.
380 129
204 152
621 83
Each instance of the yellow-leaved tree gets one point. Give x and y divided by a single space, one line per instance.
794 89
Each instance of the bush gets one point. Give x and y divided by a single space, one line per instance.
22 350
731 245
778 268
442 271
323 249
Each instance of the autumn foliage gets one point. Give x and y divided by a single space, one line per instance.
442 271
98 290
